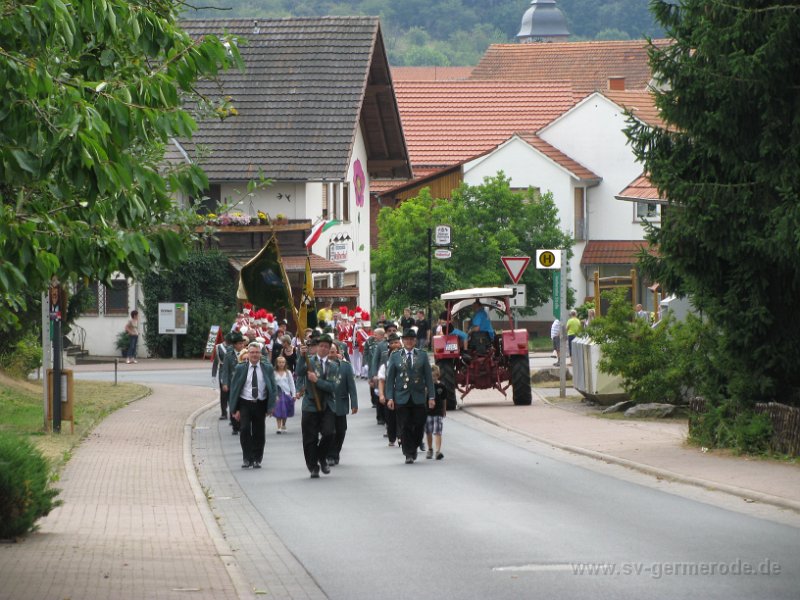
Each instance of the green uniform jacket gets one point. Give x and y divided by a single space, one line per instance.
375 359
228 366
413 385
346 396
326 386
240 376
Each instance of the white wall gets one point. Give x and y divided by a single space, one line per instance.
102 330
526 167
592 134
266 199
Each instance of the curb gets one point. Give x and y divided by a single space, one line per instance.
224 551
744 494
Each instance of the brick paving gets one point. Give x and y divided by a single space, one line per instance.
130 526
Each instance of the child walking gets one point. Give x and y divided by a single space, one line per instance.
433 424
284 407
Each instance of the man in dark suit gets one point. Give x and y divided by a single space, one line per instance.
346 401
252 398
318 425
226 372
409 384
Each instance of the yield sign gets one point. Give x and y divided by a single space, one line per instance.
515 265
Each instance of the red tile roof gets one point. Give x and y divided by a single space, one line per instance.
554 154
448 122
641 189
587 65
640 103
613 252
430 73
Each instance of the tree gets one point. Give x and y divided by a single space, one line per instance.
92 92
727 163
488 221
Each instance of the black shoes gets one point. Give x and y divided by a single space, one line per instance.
223 417
257 464
323 466
247 464
439 456
409 460
315 473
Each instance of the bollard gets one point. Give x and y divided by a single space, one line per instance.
116 364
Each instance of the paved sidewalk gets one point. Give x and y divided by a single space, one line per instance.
132 525
655 447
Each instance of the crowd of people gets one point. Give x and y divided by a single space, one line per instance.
263 371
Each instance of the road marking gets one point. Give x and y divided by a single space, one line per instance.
537 567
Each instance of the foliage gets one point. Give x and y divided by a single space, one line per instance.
724 426
123 342
204 281
91 94
488 221
25 493
583 310
655 363
23 357
728 166
455 32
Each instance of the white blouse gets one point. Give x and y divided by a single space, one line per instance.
285 381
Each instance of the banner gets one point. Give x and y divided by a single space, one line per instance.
263 281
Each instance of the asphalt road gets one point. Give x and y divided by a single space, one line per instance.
498 520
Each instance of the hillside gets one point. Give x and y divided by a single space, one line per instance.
452 32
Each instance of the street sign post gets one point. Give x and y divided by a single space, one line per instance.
515 265
442 253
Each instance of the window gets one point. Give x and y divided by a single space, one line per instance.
117 297
646 210
346 203
580 214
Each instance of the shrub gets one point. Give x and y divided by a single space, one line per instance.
657 364
25 356
25 494
123 342
726 426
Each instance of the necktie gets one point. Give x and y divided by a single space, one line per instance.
255 383
408 360
324 369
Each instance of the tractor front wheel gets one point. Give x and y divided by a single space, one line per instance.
521 380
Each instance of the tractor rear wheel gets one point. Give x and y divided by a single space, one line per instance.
447 377
521 380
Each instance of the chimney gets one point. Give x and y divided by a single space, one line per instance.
616 83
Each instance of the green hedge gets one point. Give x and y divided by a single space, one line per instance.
25 493
208 284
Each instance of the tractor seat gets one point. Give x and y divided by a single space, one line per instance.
479 343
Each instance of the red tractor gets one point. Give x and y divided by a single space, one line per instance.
470 360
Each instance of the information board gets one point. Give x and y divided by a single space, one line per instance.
173 317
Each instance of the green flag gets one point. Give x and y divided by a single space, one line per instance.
263 280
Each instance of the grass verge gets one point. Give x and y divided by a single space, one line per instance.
21 412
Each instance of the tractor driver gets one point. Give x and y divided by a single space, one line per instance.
480 320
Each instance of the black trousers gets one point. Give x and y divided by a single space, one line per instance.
318 431
252 435
411 424
390 418
340 423
223 401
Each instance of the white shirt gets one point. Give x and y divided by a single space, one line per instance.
247 389
285 381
